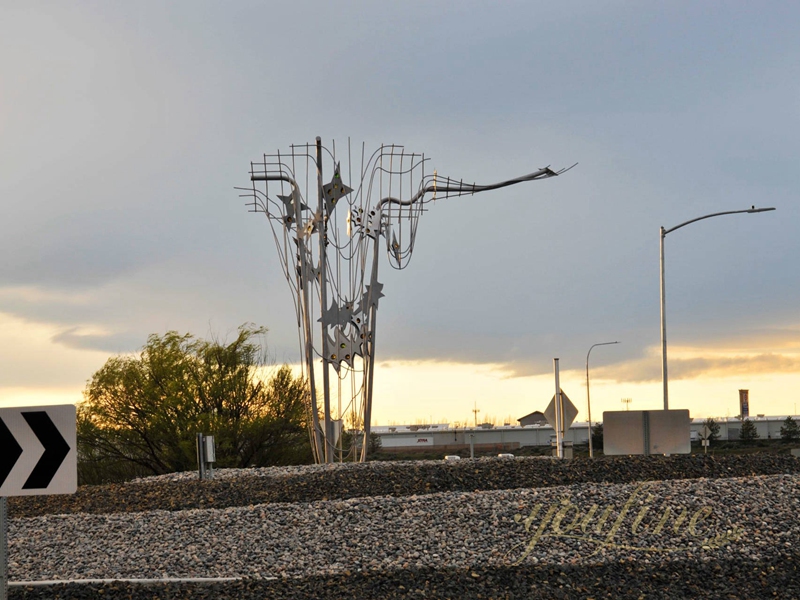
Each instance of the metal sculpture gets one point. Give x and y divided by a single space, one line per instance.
330 253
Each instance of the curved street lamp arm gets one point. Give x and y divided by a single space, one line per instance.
600 344
727 212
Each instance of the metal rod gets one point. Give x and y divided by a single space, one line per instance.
319 437
369 343
471 188
662 234
588 403
323 281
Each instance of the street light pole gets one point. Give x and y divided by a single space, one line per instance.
662 234
588 403
664 385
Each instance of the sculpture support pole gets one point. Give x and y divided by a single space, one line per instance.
370 345
318 439
319 449
323 282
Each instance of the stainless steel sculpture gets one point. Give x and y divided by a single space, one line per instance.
330 253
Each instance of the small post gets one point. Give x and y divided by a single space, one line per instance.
201 462
471 446
705 435
559 414
3 549
210 454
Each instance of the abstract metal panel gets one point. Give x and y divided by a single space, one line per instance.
330 231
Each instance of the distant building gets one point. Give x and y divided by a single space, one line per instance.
535 418
440 437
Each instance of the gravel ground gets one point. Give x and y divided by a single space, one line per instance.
730 580
650 527
242 487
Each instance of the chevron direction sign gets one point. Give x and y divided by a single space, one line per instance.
38 451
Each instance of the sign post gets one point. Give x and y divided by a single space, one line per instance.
560 413
38 456
558 410
705 435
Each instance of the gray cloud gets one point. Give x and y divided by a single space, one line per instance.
126 127
73 338
649 369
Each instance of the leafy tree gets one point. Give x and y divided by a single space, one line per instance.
141 414
352 441
790 431
713 427
375 443
748 432
597 436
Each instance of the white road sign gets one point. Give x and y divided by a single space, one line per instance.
38 453
569 412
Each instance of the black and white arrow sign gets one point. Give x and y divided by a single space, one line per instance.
37 450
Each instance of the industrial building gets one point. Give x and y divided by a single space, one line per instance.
441 437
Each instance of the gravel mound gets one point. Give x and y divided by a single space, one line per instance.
654 527
729 580
243 487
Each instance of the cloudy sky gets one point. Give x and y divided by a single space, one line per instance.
124 128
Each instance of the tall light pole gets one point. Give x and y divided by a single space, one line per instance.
662 234
588 403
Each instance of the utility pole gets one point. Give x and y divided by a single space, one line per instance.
476 410
627 402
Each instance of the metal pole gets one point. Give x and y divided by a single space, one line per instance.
662 234
319 437
588 403
559 416
3 549
323 267
664 382
369 344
